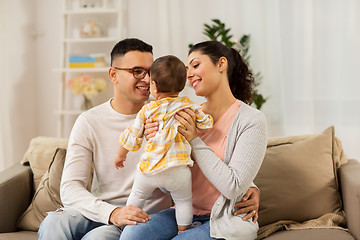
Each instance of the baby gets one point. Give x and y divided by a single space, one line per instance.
166 160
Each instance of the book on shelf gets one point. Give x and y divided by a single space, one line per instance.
82 65
77 59
89 61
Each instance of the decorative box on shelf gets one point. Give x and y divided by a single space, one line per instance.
86 4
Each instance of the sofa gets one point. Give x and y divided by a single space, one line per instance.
308 189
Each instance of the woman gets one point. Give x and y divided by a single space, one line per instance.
228 156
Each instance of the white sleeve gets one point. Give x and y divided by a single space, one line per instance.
76 176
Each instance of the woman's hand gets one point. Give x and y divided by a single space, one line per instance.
188 128
249 204
151 128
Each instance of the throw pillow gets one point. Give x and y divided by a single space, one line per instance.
298 180
40 153
47 196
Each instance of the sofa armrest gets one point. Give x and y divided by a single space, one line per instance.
16 191
350 190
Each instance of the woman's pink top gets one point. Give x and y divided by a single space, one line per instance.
204 193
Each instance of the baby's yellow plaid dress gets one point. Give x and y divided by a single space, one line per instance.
167 148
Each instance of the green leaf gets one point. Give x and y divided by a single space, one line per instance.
216 21
258 100
226 31
207 26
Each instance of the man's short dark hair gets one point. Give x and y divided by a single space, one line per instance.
127 45
169 73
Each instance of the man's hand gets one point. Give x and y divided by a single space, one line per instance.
249 204
128 215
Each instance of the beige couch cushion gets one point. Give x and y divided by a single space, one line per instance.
297 179
40 153
47 196
20 235
311 234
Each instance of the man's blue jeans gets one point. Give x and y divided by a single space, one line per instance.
67 223
163 225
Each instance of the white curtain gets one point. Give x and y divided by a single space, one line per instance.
18 82
5 136
311 68
308 52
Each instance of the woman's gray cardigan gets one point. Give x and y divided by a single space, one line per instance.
244 153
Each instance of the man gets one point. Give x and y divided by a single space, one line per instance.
99 214
94 140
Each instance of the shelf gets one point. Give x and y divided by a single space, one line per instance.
108 15
68 112
91 11
89 40
75 70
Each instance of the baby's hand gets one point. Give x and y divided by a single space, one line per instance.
119 161
120 157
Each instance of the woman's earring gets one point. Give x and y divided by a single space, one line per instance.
220 70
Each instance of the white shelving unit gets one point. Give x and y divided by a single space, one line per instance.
108 15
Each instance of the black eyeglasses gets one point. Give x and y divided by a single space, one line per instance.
138 72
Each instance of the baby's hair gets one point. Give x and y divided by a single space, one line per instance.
169 73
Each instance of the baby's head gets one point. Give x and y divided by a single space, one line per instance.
169 74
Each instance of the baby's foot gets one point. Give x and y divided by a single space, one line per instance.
182 229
